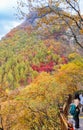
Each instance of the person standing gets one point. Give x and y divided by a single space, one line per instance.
77 111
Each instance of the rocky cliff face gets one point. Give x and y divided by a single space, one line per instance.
46 31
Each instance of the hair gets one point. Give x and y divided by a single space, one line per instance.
76 96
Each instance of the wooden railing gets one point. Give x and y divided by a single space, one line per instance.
65 124
1 124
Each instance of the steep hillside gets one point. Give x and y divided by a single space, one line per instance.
37 65
24 54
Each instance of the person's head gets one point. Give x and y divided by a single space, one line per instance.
76 96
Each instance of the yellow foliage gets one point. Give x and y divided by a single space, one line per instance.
7 91
71 74
35 105
81 31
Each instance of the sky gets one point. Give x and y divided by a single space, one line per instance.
8 19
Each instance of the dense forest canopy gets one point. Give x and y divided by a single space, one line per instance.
39 67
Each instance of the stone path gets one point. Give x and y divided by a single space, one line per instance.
81 121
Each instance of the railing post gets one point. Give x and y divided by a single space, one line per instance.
65 125
66 105
1 124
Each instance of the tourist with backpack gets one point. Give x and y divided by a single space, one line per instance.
75 109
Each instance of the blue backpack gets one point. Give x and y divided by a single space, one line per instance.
72 109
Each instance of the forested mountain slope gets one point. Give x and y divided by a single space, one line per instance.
38 68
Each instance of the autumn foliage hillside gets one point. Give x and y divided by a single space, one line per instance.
23 56
37 72
36 106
